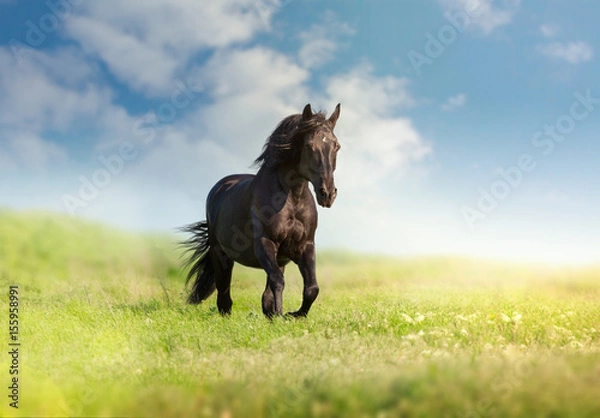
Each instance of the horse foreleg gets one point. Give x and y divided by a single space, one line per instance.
268 300
266 252
307 266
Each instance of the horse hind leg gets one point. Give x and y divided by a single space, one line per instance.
223 269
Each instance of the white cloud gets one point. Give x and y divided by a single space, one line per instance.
52 97
238 72
549 31
381 151
252 89
377 142
249 91
38 94
172 176
133 61
146 44
572 52
321 41
455 102
485 15
21 150
368 94
60 92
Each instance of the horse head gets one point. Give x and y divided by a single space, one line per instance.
318 156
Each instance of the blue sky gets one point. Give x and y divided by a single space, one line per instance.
468 126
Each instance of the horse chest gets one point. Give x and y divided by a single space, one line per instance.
295 230
292 235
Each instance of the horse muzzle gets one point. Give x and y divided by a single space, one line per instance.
326 195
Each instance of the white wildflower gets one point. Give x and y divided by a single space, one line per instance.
408 319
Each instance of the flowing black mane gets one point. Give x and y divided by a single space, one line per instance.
284 144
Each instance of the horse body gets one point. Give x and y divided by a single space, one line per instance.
268 219
231 232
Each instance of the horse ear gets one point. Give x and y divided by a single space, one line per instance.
335 115
307 113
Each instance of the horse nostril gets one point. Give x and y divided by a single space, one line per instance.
322 192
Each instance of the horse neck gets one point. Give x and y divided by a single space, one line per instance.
291 181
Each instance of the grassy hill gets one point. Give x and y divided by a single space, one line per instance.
105 332
43 244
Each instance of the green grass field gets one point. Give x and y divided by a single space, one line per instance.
105 332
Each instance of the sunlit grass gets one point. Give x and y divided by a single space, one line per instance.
105 332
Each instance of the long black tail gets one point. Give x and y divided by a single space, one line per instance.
201 264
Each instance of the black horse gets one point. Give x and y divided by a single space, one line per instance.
268 219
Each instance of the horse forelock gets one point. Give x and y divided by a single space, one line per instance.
283 145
